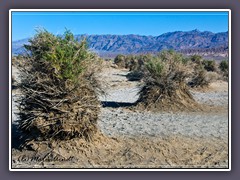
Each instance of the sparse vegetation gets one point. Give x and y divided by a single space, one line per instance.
210 65
202 74
135 64
199 77
138 62
196 59
203 71
132 62
224 66
165 83
120 61
59 85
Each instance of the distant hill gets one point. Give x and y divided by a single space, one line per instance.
188 42
17 46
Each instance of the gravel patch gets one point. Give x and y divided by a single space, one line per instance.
117 87
16 95
211 98
128 95
118 122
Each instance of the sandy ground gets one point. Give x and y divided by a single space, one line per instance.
122 121
131 138
16 94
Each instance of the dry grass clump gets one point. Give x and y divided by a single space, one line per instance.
205 72
18 61
223 66
125 61
120 61
138 62
165 83
210 65
199 78
135 64
132 62
59 89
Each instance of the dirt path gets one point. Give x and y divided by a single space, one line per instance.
117 87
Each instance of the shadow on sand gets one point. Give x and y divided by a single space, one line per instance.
16 139
113 104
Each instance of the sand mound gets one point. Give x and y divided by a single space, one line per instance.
156 98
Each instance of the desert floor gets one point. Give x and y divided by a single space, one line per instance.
130 138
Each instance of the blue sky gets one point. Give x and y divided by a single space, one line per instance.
24 24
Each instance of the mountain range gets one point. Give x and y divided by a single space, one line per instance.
187 42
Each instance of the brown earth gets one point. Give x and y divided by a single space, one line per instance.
122 152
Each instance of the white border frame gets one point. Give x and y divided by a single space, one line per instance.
118 10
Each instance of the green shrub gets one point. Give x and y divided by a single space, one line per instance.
199 78
65 54
210 65
165 83
171 55
132 62
224 66
119 60
201 67
156 68
135 63
168 64
196 59
60 100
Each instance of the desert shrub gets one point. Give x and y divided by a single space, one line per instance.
213 76
128 60
18 61
199 78
65 54
223 66
125 61
197 59
201 67
202 78
210 65
119 60
60 100
137 67
172 56
131 62
138 62
165 83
